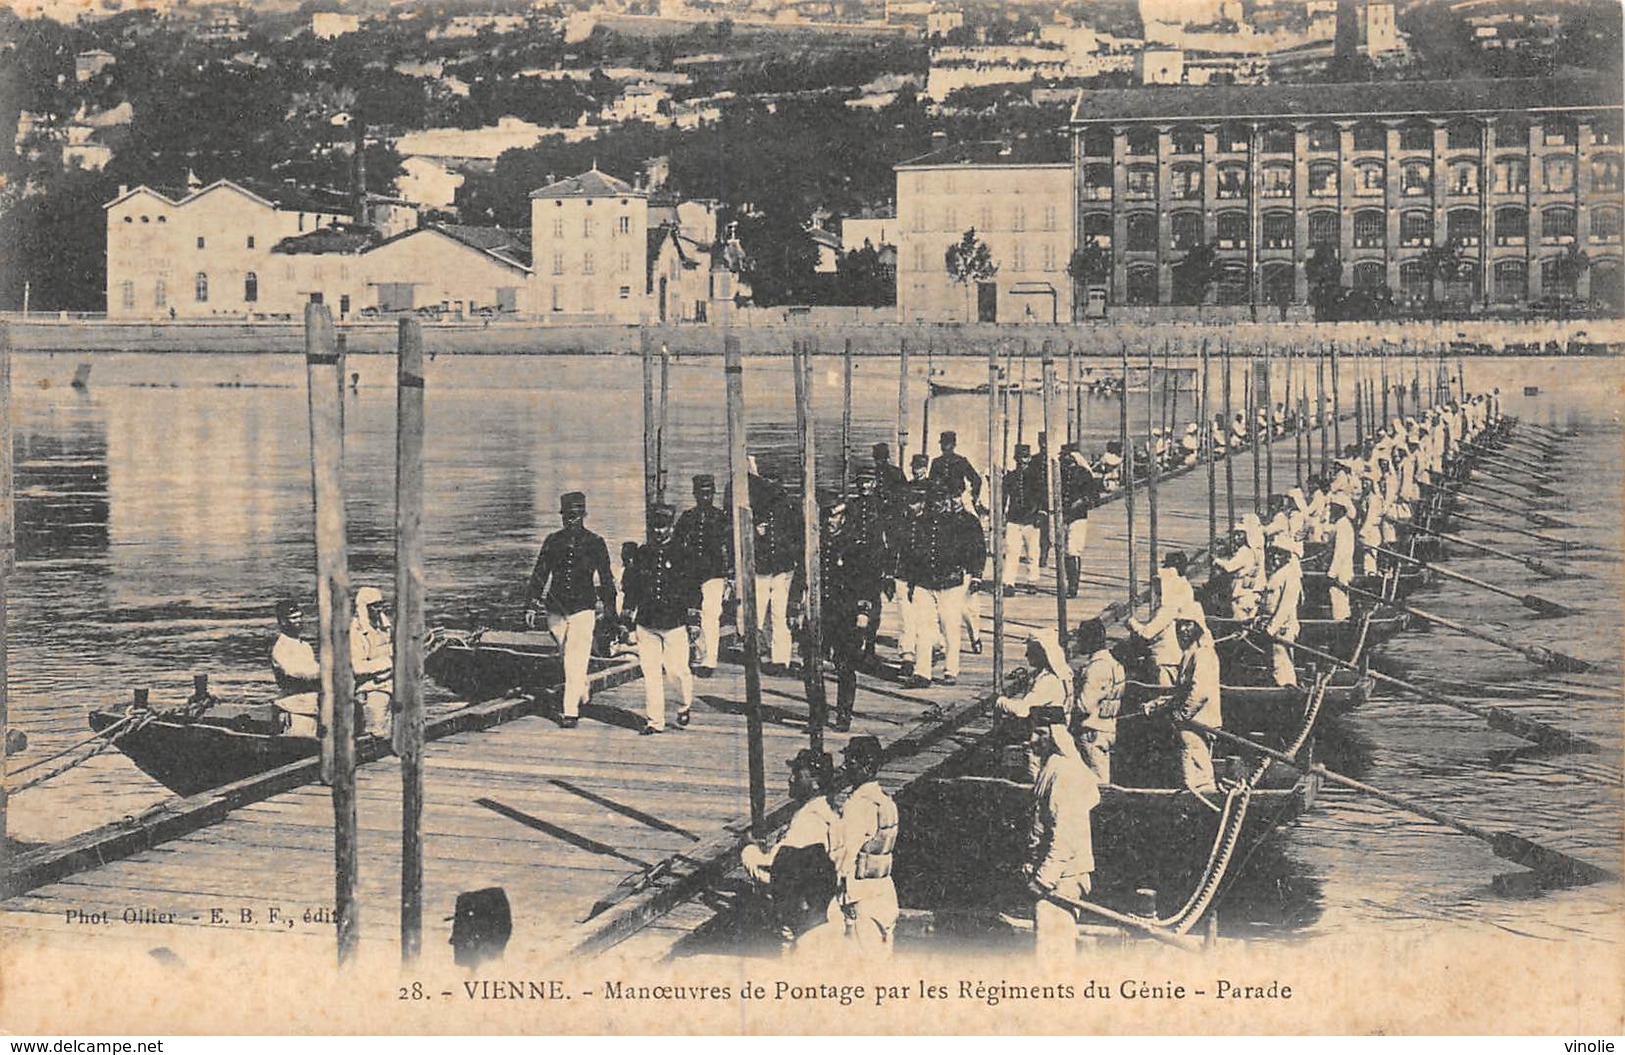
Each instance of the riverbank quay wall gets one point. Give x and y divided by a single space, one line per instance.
771 333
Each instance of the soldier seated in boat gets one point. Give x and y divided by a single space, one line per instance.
798 871
298 675
1195 699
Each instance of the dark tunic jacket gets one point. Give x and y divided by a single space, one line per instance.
563 579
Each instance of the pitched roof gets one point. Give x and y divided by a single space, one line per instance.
590 184
280 196
509 245
1039 150
1392 98
327 240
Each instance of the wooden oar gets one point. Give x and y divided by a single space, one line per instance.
1538 654
1139 923
1538 486
1534 564
1499 718
1528 600
1541 470
1537 519
1500 463
1540 492
1554 867
1551 539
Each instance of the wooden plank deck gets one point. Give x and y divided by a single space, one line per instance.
595 833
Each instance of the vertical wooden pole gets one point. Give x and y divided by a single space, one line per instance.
1337 407
1230 444
661 423
8 563
812 643
1382 351
846 418
651 456
324 368
1021 398
745 566
1004 404
1320 404
995 507
1257 394
1461 377
1052 478
1153 466
1071 392
925 409
1359 401
1268 399
902 405
1205 447
409 626
1128 475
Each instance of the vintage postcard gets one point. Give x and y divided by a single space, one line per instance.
839 517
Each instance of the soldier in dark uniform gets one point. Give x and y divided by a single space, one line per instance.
1080 491
899 530
941 551
661 586
1022 519
952 470
706 532
1039 467
777 517
570 579
851 583
889 477
919 468
866 520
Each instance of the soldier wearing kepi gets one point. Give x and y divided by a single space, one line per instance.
1023 514
851 606
953 471
942 549
570 580
706 533
661 586
1080 490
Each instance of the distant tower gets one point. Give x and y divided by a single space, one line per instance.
1346 41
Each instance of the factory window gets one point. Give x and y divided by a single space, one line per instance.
1461 226
1370 229
1511 134
1370 179
1277 233
1235 283
1232 230
1142 232
1416 136
1097 143
1049 217
1278 139
1511 176
1370 274
1186 230
1604 132
1556 279
1605 173
200 287
1511 281
1233 137
1277 181
1370 137
1557 225
1323 139
1097 182
1187 182
1323 179
1142 141
1558 132
1511 226
1232 180
1558 174
127 295
1463 177
1325 228
1142 183
1605 224
251 287
1415 280
1097 229
1463 135
1415 178
1416 229
1187 139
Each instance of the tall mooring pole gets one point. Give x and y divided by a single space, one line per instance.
407 668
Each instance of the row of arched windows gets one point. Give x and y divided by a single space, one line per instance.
1325 137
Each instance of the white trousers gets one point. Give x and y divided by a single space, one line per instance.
970 615
1196 761
1340 601
574 635
774 603
1077 535
1020 540
938 611
907 628
1286 672
711 591
663 655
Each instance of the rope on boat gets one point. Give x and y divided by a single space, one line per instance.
133 721
1232 821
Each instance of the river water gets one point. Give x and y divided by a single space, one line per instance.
163 511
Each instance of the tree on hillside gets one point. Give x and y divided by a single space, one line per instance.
1090 265
970 263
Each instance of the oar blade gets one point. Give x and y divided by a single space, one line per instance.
1555 869
1542 606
